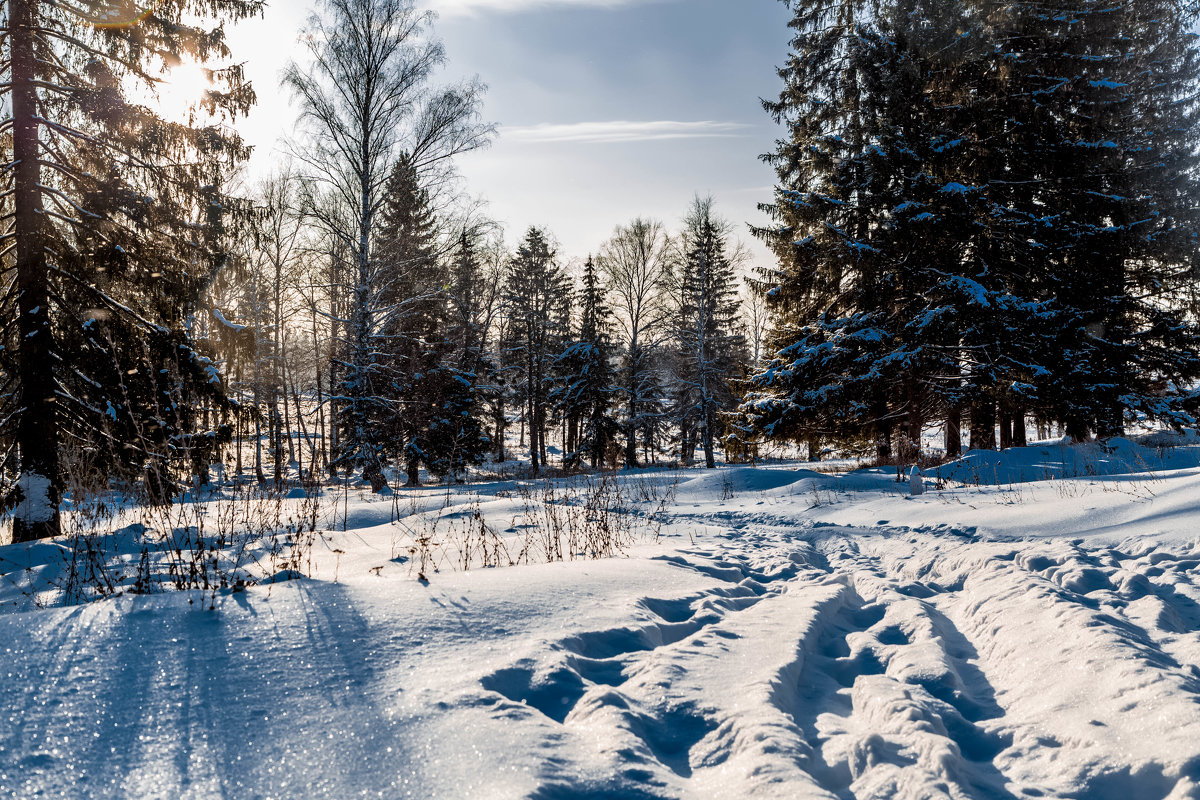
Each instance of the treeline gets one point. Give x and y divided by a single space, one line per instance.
637 355
373 324
986 218
353 314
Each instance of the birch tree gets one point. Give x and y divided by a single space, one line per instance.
635 263
365 97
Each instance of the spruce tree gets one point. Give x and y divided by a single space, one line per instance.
985 211
586 391
115 222
410 343
1108 111
535 295
829 293
456 436
711 344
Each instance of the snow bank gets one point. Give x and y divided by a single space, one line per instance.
1059 460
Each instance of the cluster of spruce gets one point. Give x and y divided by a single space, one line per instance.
467 351
415 399
987 214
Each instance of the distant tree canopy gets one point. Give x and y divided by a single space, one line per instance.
114 222
984 210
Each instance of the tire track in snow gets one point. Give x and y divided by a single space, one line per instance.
634 691
844 663
895 700
1094 706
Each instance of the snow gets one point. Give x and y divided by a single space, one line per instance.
1027 627
35 505
916 482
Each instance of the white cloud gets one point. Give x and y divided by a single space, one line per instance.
618 132
461 8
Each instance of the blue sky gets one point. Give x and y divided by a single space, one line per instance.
609 109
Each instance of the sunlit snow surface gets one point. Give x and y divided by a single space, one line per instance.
793 635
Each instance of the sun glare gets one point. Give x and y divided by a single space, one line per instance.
183 89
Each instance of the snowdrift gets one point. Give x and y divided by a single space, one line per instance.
1060 460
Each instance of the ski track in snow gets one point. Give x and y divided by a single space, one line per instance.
844 663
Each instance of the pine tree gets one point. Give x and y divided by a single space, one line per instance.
710 340
586 390
115 224
535 294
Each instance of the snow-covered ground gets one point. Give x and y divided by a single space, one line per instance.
770 632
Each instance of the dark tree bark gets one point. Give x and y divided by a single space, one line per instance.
983 426
1019 436
37 433
954 432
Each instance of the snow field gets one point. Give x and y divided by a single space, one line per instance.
772 632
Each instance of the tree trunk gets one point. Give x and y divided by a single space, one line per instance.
599 443
954 432
1019 436
319 452
501 423
334 446
37 429
983 426
541 431
534 449
685 441
710 422
883 445
572 445
258 470
312 455
413 468
631 456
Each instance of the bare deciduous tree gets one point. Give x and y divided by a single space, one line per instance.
635 262
365 98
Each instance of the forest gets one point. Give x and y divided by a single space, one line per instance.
985 217
321 478
352 314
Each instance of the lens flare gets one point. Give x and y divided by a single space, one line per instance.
184 87
124 13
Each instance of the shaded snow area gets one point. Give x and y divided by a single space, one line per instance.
769 632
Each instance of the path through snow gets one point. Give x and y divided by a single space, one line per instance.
882 664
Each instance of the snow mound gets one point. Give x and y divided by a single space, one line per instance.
1055 461
738 480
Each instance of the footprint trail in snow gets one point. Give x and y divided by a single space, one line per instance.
833 662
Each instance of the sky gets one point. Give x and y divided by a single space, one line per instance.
608 109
